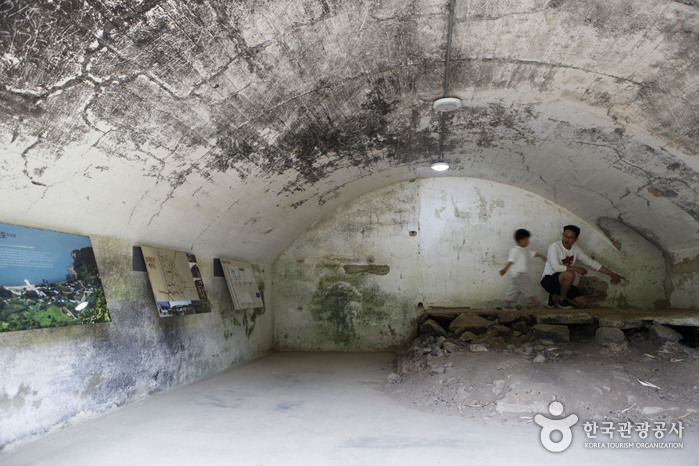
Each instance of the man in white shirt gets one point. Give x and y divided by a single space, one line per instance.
560 269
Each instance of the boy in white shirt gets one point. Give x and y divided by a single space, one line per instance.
518 265
559 272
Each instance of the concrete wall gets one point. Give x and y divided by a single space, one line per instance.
55 377
354 280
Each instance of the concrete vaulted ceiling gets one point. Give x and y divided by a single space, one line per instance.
229 127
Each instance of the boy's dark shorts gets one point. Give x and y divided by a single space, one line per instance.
551 284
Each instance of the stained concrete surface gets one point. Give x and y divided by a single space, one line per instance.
306 408
241 123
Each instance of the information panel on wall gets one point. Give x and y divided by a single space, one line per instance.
242 284
176 281
48 279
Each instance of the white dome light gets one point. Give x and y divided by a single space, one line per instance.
439 166
446 104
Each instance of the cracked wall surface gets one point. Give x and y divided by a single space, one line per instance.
232 128
61 376
240 123
442 242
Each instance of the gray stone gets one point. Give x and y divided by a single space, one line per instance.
619 322
394 378
664 333
557 334
540 358
436 370
450 347
606 336
508 317
498 385
430 327
478 347
451 381
563 316
468 337
469 323
500 331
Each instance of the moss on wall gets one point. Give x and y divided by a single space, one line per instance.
342 302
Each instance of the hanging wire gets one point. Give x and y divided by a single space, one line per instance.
442 120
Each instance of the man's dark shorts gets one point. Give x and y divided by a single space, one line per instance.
553 286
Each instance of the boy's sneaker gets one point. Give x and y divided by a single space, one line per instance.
550 304
506 306
564 304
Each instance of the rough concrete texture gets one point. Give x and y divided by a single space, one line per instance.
606 336
240 123
228 128
464 232
59 376
663 333
469 323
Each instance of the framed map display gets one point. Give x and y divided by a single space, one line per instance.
48 279
242 284
176 281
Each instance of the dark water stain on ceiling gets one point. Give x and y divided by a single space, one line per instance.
298 100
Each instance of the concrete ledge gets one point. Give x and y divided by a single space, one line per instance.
606 317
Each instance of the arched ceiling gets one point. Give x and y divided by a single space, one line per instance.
229 127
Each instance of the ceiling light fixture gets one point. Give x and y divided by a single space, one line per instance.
440 164
445 104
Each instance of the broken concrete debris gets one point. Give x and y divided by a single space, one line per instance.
663 333
430 327
609 335
469 323
491 370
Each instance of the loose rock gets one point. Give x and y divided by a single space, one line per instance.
607 336
478 347
469 323
430 327
450 347
664 333
451 381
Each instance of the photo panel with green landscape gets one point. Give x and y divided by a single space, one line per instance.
48 279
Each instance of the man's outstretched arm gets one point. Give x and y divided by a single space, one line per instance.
616 278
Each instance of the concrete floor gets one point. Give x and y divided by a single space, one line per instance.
306 408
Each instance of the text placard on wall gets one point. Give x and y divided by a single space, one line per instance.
242 284
176 282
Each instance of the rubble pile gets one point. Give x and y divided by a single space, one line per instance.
509 365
